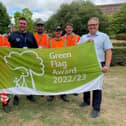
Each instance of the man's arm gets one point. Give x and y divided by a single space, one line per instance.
107 61
34 41
11 39
85 39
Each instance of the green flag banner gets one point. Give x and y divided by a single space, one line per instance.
49 71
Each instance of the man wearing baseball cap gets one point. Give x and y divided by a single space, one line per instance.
41 37
58 42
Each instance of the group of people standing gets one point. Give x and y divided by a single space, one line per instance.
24 39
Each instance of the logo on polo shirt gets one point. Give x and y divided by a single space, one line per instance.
18 39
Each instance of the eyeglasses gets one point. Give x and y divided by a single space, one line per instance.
92 24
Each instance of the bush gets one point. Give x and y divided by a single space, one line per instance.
112 36
118 57
123 44
121 36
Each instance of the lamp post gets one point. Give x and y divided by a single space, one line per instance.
11 26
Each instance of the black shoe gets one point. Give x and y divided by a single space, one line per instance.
50 98
64 98
15 100
75 94
31 98
84 104
95 114
6 107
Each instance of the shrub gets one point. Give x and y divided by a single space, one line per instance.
123 44
112 36
118 57
121 36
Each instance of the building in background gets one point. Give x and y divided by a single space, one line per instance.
110 9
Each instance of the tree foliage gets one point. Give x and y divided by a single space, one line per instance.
118 24
28 15
4 19
77 13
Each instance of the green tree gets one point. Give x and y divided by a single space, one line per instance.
77 13
110 25
28 15
118 24
4 19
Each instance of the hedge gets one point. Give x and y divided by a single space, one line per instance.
121 36
118 57
123 44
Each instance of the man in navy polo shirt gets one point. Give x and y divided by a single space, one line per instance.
22 39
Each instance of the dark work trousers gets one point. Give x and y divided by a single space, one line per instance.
97 97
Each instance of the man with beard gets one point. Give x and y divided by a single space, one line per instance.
41 37
71 38
58 42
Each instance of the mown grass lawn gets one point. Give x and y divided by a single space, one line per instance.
59 113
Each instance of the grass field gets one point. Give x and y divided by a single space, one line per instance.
58 113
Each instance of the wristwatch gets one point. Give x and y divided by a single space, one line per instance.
107 65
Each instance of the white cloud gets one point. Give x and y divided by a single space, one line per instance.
40 8
44 16
44 8
32 4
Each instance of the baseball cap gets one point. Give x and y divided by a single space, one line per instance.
57 28
40 22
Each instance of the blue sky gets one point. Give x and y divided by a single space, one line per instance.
44 8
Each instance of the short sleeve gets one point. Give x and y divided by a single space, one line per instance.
107 43
82 39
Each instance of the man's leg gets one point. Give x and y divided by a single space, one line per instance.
5 102
16 100
31 98
97 98
64 98
86 99
50 98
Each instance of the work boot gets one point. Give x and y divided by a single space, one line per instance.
31 98
64 98
50 98
95 113
6 107
15 100
75 94
83 104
